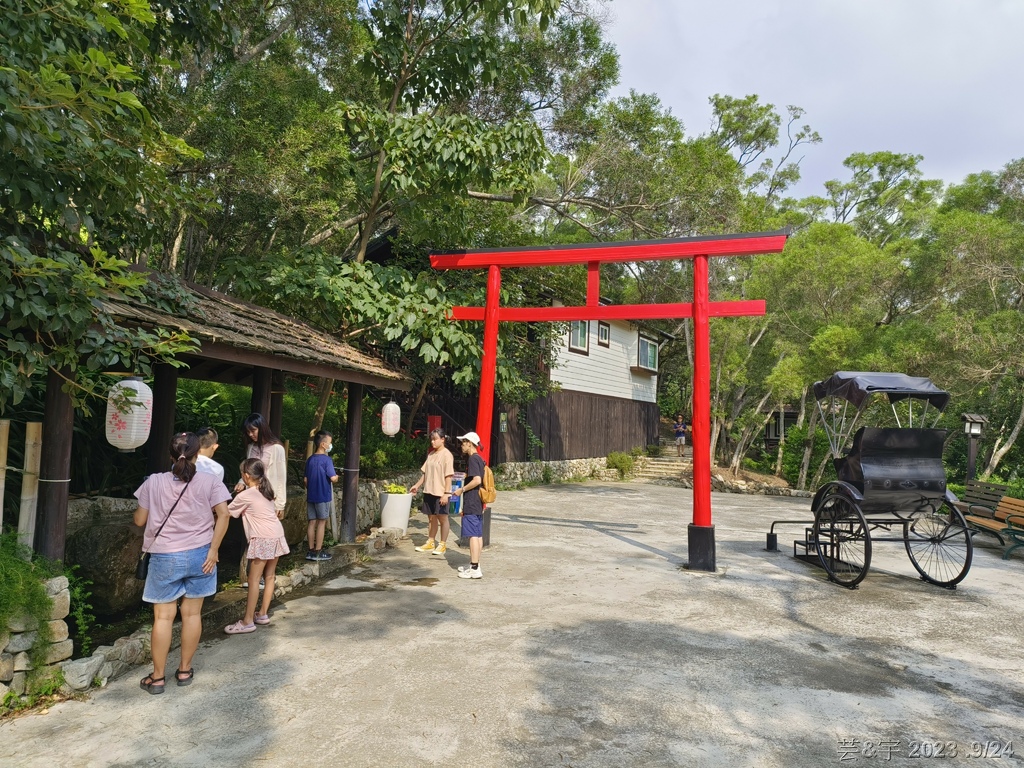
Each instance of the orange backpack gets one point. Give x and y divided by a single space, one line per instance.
488 493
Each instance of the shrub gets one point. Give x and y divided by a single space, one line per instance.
620 461
546 475
22 592
395 488
793 453
636 451
654 451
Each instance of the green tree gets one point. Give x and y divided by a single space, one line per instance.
885 199
83 187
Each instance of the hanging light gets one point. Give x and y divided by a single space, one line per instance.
129 414
390 419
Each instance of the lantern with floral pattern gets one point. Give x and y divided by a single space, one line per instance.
390 419
129 414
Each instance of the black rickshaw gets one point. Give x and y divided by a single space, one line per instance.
890 482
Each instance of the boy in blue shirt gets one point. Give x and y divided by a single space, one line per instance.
319 479
679 428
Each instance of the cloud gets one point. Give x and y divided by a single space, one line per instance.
938 78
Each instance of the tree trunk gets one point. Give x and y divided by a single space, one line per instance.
747 437
821 470
1002 450
801 482
782 440
326 385
417 403
172 263
802 415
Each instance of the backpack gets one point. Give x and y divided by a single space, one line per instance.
488 493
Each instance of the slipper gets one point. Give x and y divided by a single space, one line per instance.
152 687
264 619
238 628
187 679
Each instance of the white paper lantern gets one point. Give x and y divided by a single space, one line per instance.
129 414
390 419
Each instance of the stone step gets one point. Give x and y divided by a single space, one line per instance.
672 473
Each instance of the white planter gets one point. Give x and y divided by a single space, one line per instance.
394 510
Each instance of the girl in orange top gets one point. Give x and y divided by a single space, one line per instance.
438 470
262 521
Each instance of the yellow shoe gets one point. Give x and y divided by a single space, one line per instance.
441 548
428 547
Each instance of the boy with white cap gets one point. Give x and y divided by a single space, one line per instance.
472 508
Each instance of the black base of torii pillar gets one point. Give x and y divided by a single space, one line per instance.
701 542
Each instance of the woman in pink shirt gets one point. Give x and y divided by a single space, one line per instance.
262 521
183 538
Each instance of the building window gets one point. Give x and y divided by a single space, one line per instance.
579 336
604 334
648 358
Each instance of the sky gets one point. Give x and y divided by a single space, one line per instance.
938 78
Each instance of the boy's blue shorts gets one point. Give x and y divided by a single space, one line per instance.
473 526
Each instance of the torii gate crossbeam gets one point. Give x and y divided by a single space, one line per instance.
701 538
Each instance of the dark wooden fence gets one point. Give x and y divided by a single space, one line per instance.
567 424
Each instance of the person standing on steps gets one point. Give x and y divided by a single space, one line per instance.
183 539
319 480
436 481
472 507
679 428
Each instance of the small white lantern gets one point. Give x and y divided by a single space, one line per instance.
391 419
129 414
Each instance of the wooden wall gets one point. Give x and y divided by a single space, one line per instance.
576 425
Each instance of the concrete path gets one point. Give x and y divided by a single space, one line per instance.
586 644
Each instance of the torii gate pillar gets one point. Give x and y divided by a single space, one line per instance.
701 532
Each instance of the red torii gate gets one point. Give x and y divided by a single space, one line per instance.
700 533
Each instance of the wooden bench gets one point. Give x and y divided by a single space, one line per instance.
1006 522
981 494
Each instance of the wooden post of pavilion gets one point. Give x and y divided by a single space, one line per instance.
161 431
353 440
55 467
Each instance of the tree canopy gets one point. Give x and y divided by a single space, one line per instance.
308 154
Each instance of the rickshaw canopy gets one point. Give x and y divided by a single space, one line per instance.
857 387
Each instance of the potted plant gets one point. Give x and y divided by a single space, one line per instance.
395 507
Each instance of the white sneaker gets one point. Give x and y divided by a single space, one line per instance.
470 573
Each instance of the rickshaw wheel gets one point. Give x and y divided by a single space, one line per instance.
843 541
939 545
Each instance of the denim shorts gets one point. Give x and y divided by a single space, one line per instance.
472 526
173 574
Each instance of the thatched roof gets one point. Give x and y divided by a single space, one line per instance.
235 336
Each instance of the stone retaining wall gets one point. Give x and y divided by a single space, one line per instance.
21 634
517 472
